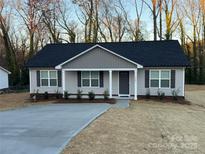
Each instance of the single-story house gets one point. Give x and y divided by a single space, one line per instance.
4 78
124 69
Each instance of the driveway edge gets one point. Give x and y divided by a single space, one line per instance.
80 129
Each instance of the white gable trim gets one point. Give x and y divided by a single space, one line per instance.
5 70
97 45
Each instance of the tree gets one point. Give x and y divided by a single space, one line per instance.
153 9
31 16
171 25
134 26
50 14
112 21
89 11
8 44
192 10
70 27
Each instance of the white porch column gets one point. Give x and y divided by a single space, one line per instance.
135 84
63 81
110 83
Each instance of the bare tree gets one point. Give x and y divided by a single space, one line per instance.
5 16
171 24
50 14
113 20
134 26
31 16
153 9
70 27
89 10
191 8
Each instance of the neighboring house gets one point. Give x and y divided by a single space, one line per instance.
4 78
125 69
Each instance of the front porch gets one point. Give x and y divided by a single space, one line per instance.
120 83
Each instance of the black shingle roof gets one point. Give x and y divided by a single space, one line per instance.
146 53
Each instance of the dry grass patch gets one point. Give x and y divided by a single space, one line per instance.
15 100
145 127
190 87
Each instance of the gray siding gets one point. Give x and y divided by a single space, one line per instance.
71 83
33 83
98 58
153 91
72 87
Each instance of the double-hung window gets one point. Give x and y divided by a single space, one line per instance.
165 79
90 78
160 78
48 78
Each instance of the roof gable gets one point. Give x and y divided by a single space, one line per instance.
111 53
5 70
98 58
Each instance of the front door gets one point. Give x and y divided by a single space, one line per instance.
124 83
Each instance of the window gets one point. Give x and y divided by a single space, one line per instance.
48 78
154 76
160 78
165 79
90 78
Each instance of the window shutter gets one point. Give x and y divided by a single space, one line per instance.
79 78
101 79
59 79
146 78
38 78
173 73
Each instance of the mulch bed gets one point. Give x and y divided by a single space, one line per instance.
73 100
70 100
179 100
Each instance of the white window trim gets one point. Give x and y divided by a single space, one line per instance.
49 78
90 79
160 78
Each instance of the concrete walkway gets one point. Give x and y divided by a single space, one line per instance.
121 104
44 129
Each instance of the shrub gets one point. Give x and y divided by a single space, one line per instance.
161 94
79 94
175 94
91 95
106 94
66 95
57 94
148 93
35 97
46 95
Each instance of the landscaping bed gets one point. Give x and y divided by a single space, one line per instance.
97 100
178 100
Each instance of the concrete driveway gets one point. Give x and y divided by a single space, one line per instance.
44 129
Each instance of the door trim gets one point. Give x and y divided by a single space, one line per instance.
123 95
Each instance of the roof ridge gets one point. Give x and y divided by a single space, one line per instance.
92 43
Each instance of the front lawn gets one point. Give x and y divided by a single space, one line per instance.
16 100
145 127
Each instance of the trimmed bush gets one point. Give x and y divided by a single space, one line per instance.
160 94
91 95
79 94
46 95
175 94
106 94
66 95
57 94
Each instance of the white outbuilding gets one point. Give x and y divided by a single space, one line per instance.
4 78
